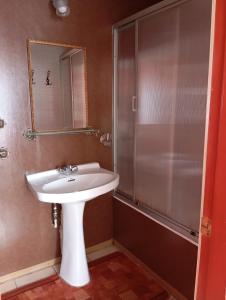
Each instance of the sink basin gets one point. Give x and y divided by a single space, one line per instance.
72 190
88 182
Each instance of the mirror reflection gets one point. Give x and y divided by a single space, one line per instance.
57 86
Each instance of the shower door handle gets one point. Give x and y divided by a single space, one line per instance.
134 104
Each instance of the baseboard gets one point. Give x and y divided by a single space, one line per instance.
29 270
99 246
165 285
51 263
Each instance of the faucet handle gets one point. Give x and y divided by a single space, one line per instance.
73 168
68 169
62 169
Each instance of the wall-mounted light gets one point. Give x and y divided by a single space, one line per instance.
62 7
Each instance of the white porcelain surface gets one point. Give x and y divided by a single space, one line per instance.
90 181
72 191
74 268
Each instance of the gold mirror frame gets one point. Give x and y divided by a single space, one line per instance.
32 100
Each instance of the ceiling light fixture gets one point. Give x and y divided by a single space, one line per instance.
62 7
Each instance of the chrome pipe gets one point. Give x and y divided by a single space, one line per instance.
56 219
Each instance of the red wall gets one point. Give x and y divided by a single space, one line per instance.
212 270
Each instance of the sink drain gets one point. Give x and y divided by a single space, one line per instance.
71 179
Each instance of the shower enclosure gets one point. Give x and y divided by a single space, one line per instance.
160 111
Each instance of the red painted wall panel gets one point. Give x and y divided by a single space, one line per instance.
212 270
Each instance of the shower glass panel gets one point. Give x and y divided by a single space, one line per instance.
172 78
125 115
161 82
66 91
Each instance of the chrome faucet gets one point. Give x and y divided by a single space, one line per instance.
68 169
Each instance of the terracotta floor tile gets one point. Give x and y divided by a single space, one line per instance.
128 295
114 278
81 295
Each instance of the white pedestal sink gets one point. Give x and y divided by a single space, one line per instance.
72 190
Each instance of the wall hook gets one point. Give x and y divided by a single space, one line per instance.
3 152
48 81
32 77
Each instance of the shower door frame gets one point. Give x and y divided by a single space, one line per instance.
151 214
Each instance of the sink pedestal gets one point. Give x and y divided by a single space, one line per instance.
74 268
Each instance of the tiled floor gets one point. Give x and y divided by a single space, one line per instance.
114 277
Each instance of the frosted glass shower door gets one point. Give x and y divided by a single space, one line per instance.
172 77
66 91
125 112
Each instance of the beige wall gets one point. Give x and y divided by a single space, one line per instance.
26 235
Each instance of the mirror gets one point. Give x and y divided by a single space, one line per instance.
58 86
